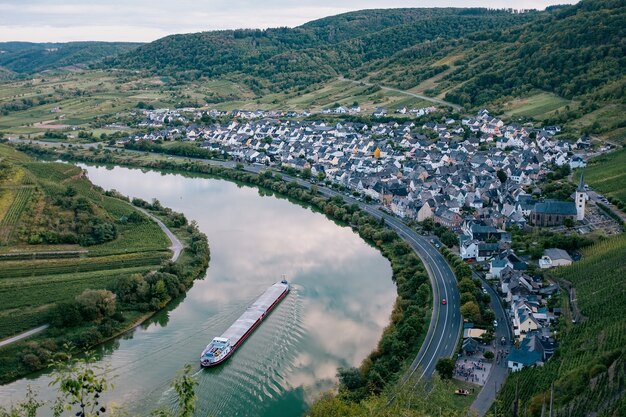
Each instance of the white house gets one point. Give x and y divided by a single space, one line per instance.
554 257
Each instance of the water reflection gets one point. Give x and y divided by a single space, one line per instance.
340 303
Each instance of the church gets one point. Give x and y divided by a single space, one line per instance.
554 213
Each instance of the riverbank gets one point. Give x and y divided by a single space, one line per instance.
163 283
399 342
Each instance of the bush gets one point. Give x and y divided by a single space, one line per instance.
31 361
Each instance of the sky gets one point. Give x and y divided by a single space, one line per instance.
147 20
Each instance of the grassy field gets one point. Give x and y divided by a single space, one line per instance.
36 199
607 174
590 361
538 106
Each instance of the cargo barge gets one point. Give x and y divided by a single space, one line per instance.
223 346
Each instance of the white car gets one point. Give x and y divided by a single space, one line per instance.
495 323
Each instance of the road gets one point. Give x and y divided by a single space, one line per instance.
446 322
23 335
408 93
499 371
176 246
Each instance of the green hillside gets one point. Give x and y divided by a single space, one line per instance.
607 175
282 58
589 368
24 58
565 65
572 51
82 260
59 236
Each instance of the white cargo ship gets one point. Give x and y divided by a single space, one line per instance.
222 347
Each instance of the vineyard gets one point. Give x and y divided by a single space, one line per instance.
53 171
589 368
607 175
41 259
14 213
35 268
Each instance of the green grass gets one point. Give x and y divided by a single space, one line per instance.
84 97
588 348
607 174
538 106
28 300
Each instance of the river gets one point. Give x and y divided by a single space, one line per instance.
340 302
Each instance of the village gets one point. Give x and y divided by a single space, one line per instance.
477 176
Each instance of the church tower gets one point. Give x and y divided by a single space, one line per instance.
581 198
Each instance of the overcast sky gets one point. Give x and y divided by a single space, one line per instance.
147 20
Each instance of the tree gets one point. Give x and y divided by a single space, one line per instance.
445 367
471 311
350 378
185 387
449 239
488 355
96 304
568 222
501 176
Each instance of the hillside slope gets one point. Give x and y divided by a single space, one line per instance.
60 235
572 52
277 59
29 58
569 50
589 368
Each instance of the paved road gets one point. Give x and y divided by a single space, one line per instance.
408 93
445 325
499 371
23 335
176 247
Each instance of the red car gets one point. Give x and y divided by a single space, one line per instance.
443 301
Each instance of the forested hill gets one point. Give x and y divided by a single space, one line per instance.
282 58
29 58
573 51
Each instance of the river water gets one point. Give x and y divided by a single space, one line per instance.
340 302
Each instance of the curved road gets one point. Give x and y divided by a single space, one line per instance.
408 93
176 247
445 324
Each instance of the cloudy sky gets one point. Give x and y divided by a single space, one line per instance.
146 20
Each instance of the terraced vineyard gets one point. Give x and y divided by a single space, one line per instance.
589 369
607 174
13 214
61 235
